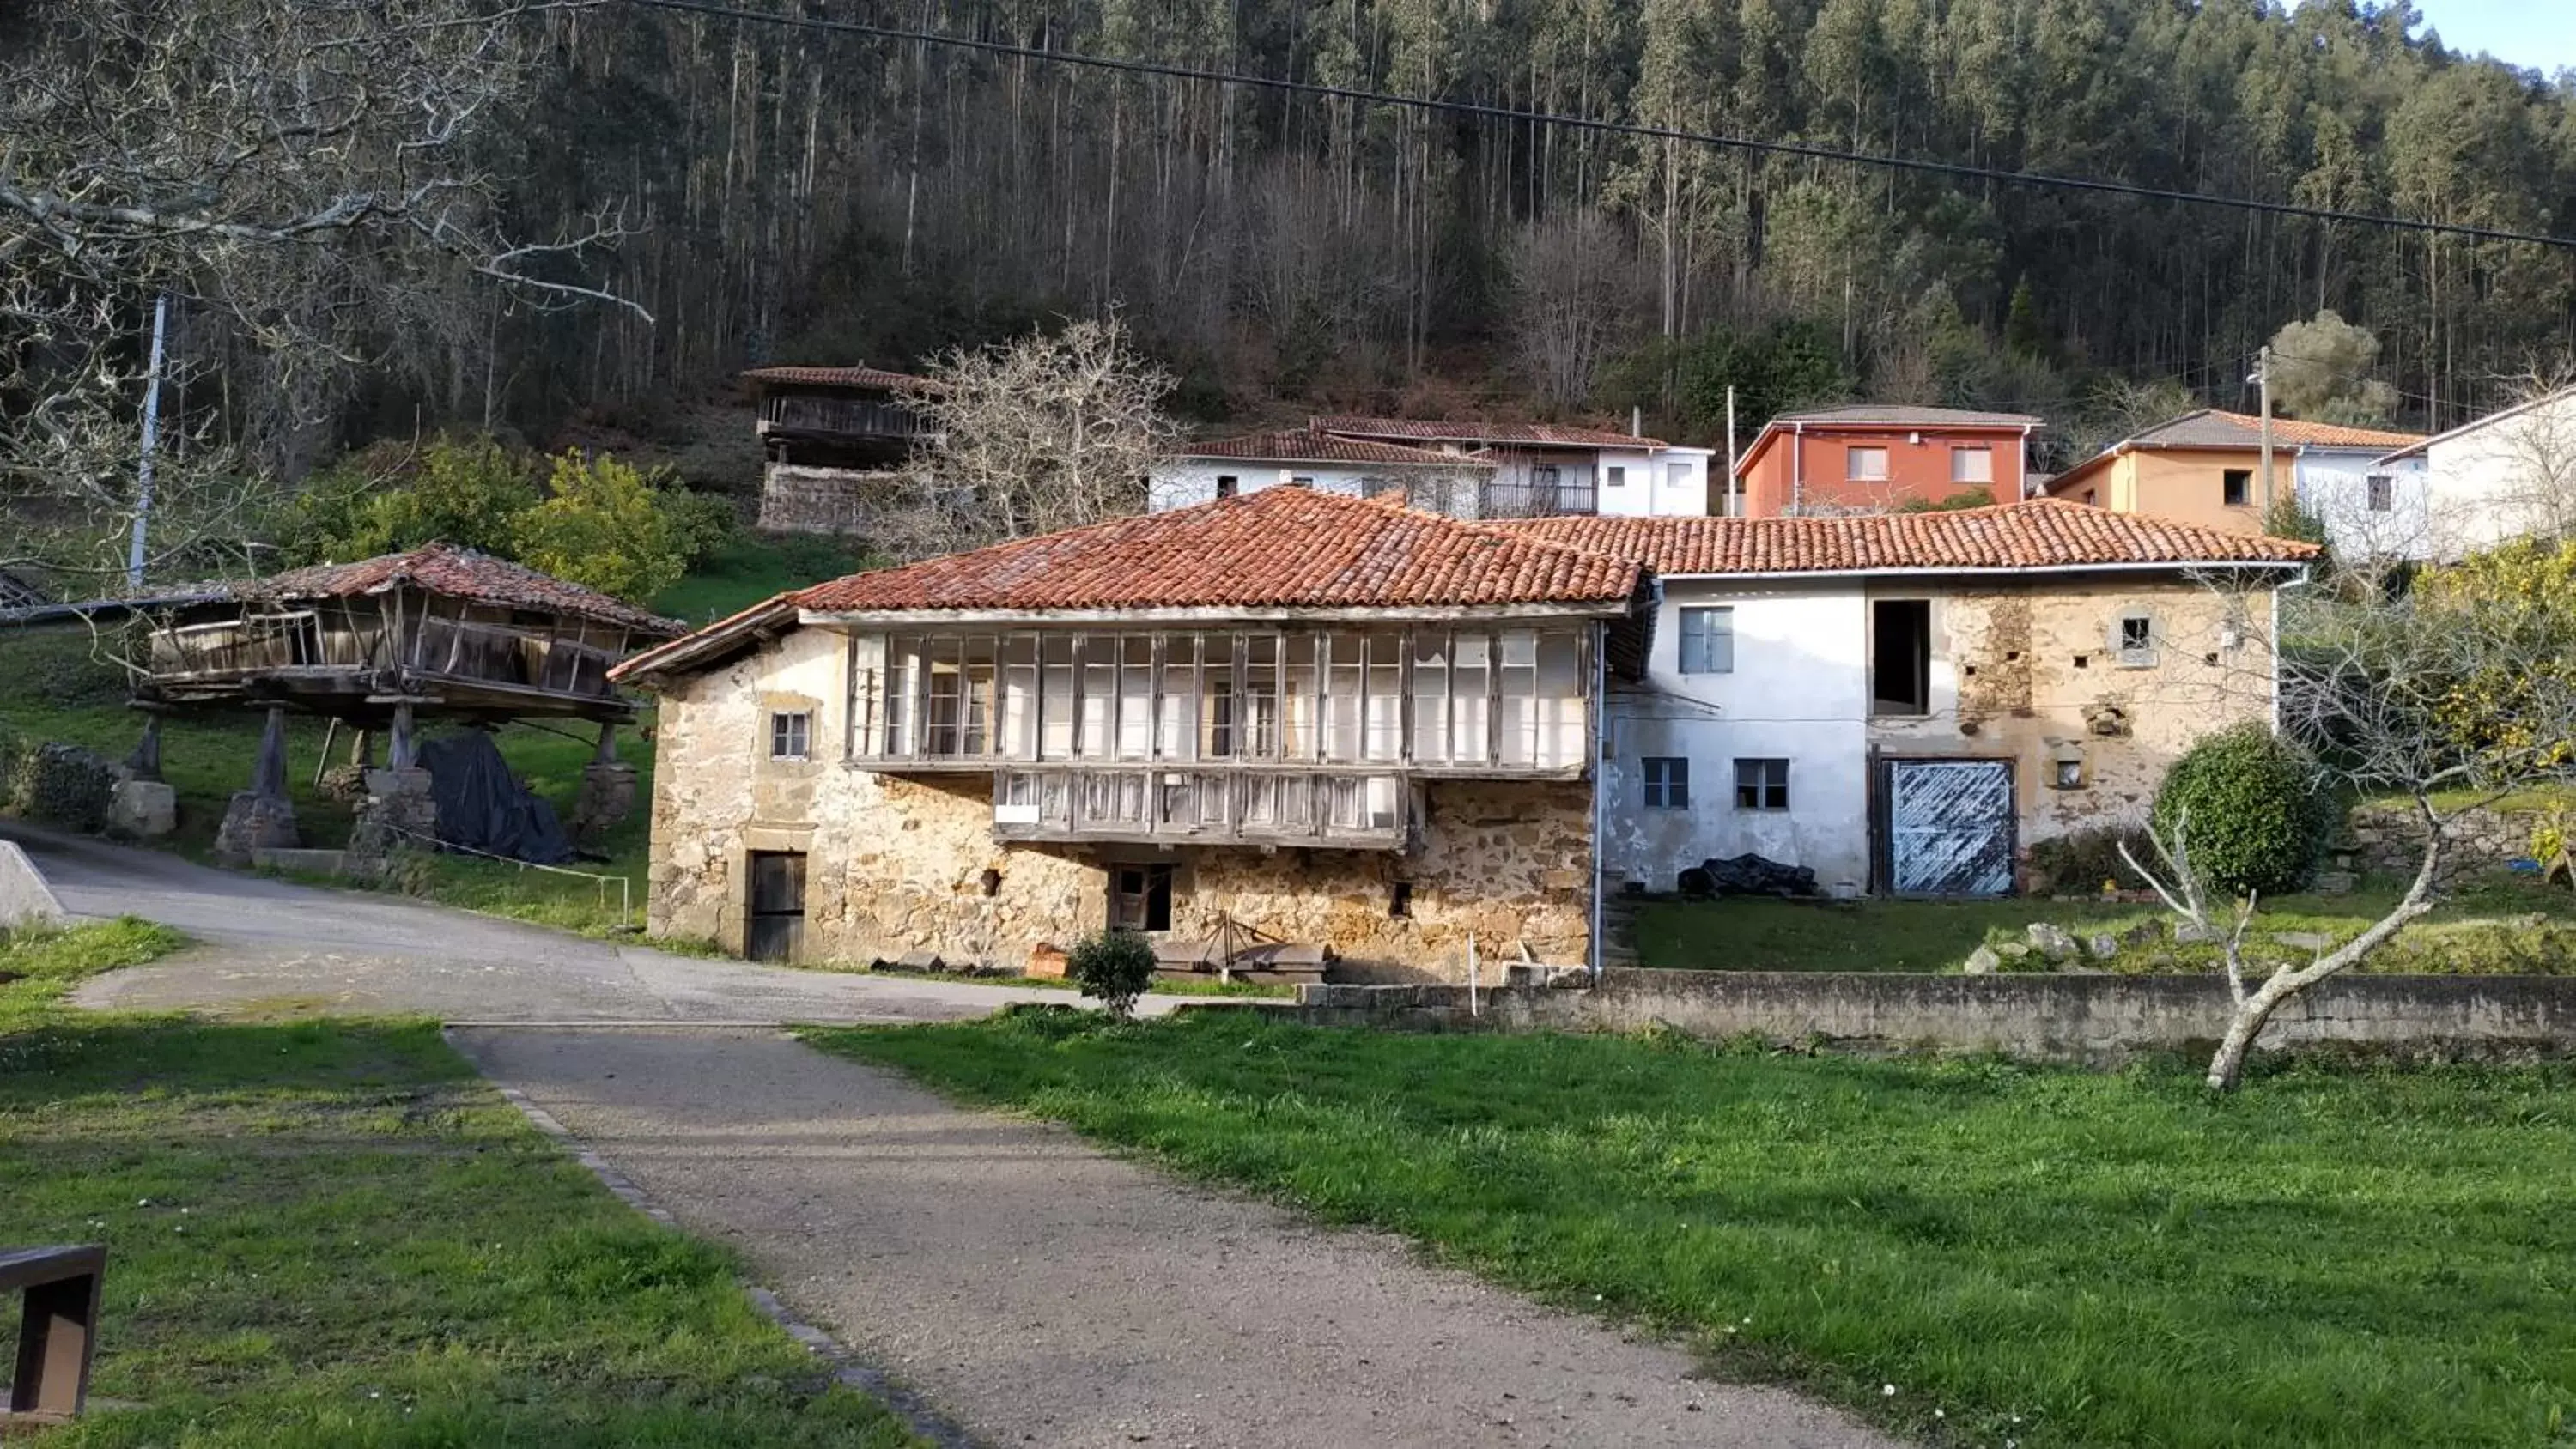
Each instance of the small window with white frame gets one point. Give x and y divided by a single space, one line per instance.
791 735
1708 640
1865 465
1972 465
2134 641
2383 492
1667 780
1761 784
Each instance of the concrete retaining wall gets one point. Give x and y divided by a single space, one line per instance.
2058 1018
25 899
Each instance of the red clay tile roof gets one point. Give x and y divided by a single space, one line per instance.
1455 431
2211 428
876 377
1305 445
458 573
1277 548
2044 533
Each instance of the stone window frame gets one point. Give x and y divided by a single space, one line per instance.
791 736
2137 655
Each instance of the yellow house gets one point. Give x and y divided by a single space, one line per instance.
2205 467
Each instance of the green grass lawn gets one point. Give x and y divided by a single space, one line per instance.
2488 926
751 567
330 1234
2333 1256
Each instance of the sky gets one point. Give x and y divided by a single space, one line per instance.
2536 33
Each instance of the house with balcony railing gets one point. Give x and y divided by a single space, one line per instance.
1292 715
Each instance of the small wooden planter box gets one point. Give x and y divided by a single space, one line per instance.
57 1329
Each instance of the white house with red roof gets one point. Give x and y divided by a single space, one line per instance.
1463 468
2509 474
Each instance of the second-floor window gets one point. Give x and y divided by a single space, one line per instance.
1865 465
1972 465
2383 492
1708 640
791 735
2235 487
1431 695
1225 485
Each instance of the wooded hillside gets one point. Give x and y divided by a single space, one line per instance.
815 195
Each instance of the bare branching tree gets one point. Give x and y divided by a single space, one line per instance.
2449 695
1571 278
294 179
1051 431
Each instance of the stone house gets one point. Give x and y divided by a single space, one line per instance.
1904 703
1289 716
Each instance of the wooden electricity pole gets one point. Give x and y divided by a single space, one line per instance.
2263 376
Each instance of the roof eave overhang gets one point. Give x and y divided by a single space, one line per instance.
1605 608
2197 566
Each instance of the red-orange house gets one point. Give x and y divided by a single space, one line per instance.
1867 458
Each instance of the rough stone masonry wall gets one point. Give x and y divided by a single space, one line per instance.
805 499
2389 839
905 864
2008 684
2094 1019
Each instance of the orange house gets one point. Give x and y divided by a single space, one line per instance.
1868 458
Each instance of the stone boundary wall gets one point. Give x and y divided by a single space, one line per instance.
2090 1019
2389 839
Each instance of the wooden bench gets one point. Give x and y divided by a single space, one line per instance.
57 1329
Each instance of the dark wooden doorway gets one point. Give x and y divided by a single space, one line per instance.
777 930
1140 898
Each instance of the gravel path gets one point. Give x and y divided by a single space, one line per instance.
1042 1292
270 945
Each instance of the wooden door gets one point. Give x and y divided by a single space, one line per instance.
777 929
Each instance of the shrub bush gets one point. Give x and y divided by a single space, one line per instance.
2253 816
2077 863
1114 966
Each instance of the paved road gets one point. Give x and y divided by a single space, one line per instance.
1038 1291
1041 1292
269 945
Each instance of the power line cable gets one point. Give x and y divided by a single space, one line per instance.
1798 149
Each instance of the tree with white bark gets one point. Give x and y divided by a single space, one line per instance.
2449 695
292 183
1050 431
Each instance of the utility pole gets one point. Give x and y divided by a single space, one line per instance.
2263 376
1734 506
151 440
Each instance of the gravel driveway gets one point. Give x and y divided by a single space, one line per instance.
270 945
1034 1289
1041 1292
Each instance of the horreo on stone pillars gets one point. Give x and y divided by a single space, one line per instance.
261 817
142 807
398 812
607 789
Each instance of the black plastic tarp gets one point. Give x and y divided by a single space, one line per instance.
482 806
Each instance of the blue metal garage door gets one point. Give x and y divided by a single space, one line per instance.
1949 827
